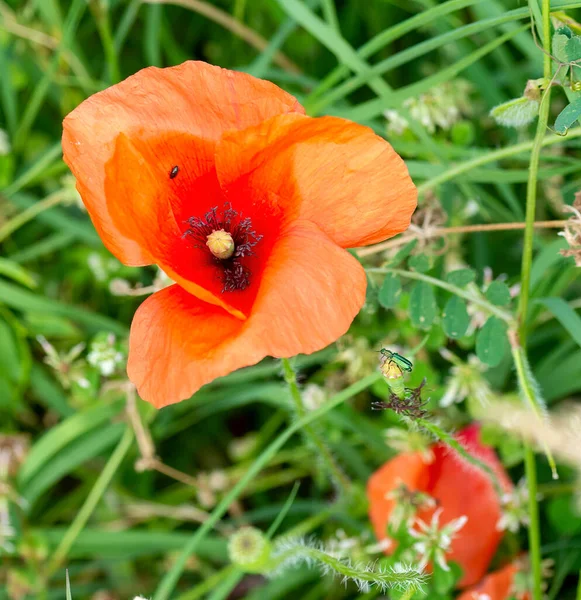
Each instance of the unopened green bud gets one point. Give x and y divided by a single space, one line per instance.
250 550
516 113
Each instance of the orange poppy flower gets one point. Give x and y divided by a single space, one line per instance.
498 585
458 488
246 203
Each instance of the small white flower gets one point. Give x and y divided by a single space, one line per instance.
442 106
465 381
433 541
396 124
84 383
104 356
514 506
407 504
314 396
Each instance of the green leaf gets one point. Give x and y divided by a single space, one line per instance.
10 365
559 45
70 458
112 545
403 253
390 291
565 30
563 516
16 273
444 580
491 342
573 49
20 299
423 307
498 293
455 319
568 318
63 434
461 277
420 263
371 109
568 116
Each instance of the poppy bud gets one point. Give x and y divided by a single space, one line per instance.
250 550
391 370
221 244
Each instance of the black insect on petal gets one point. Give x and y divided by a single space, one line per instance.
173 173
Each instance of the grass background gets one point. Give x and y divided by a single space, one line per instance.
344 57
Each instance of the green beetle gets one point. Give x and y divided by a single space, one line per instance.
401 361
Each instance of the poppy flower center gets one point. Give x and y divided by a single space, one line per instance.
229 239
221 244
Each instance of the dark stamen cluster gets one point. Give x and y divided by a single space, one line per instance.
411 405
235 276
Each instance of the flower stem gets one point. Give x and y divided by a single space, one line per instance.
534 529
532 183
527 259
363 577
338 475
495 310
435 232
528 387
446 438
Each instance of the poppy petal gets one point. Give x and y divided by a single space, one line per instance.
179 343
475 544
498 585
460 489
407 468
194 98
342 176
150 218
310 293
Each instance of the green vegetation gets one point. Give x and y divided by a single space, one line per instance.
482 99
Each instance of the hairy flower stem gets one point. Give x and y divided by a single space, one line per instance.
170 579
409 593
340 478
524 375
527 258
364 577
447 439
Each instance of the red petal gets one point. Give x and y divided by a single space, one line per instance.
344 178
310 292
194 98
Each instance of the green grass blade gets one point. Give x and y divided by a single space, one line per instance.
374 108
19 299
41 90
568 318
